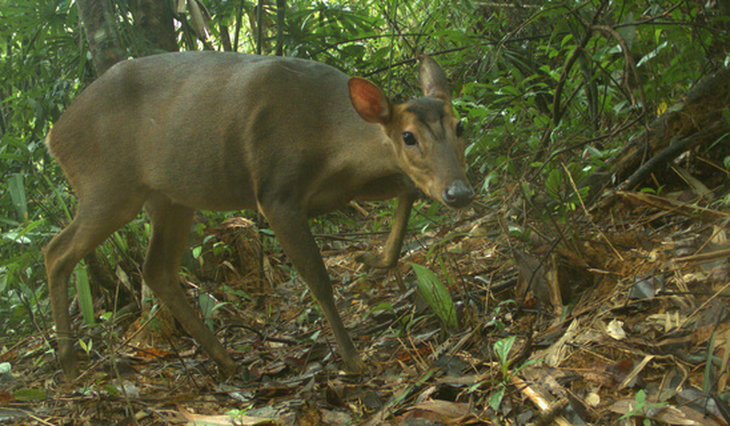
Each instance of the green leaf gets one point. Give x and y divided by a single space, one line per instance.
208 306
236 292
16 188
196 251
382 307
651 55
553 183
502 348
496 399
436 295
86 346
568 38
709 373
86 302
27 394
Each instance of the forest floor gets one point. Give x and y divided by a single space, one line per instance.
616 316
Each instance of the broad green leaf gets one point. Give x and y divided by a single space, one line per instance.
27 394
496 399
16 188
436 295
502 348
86 302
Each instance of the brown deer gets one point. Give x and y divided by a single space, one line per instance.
225 131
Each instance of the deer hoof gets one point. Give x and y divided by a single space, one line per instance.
355 366
373 261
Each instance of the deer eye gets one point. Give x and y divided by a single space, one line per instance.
409 138
459 128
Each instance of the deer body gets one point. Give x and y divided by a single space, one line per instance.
223 131
212 143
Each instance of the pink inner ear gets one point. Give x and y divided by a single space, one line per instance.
368 100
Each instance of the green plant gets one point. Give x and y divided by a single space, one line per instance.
208 305
238 415
83 289
436 295
87 347
502 349
643 408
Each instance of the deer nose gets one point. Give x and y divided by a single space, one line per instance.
457 195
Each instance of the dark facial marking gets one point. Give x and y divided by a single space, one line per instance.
428 110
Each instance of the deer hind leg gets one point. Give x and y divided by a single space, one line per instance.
97 217
170 229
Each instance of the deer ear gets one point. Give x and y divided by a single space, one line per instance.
433 79
369 101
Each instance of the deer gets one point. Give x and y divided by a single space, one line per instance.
222 131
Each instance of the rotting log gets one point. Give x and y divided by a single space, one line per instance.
695 122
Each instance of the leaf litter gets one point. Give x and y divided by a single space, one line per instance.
600 320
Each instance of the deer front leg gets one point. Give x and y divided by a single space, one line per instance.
388 257
292 231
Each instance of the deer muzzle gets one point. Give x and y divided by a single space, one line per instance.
457 195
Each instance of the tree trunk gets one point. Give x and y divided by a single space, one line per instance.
280 23
154 20
96 16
